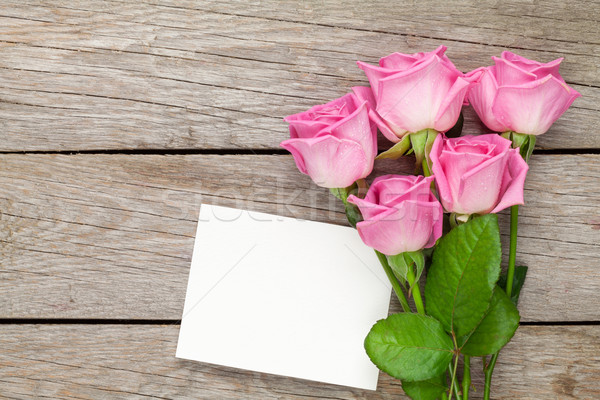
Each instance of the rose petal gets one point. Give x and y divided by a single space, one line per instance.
441 181
357 127
481 97
492 144
516 171
342 106
367 209
381 183
329 161
438 226
539 69
449 111
467 161
375 74
390 190
408 227
455 165
533 108
301 129
508 73
310 123
479 187
381 233
399 61
411 99
510 56
365 93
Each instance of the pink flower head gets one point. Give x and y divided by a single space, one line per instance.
334 143
520 95
400 214
478 174
412 92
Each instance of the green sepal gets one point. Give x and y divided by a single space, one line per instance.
400 264
430 389
421 143
408 346
384 262
529 150
352 214
418 260
518 281
397 150
463 274
339 193
343 193
456 219
495 329
525 143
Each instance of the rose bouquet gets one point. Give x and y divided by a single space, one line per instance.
443 219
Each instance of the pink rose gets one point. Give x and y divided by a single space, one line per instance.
334 143
412 92
478 174
520 95
400 214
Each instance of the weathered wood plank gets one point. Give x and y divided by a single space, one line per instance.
111 236
135 361
137 76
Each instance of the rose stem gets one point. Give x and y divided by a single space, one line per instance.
514 220
451 391
393 281
416 291
453 384
466 382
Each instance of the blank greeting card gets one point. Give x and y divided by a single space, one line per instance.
282 296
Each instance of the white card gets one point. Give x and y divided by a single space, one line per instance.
282 296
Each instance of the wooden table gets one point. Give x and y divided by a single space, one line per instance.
118 119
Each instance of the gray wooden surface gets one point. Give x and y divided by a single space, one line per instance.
118 119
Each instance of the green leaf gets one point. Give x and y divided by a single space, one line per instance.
518 281
463 274
496 329
397 150
430 389
408 346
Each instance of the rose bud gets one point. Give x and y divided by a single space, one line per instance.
520 95
400 214
334 143
413 92
478 174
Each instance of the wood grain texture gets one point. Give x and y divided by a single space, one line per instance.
79 75
138 361
111 236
